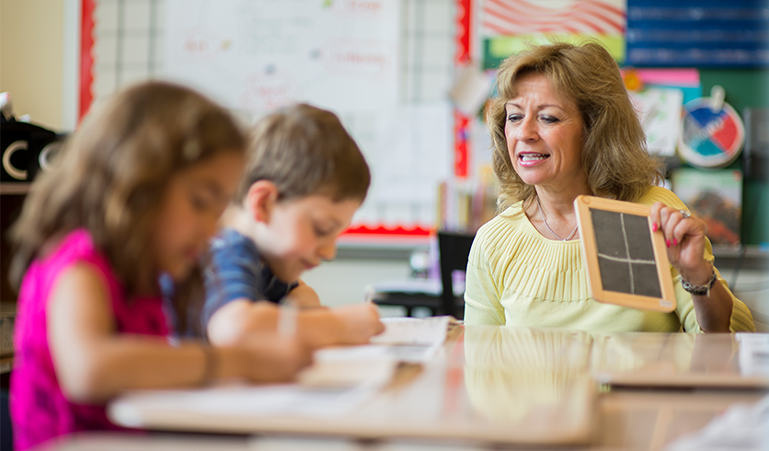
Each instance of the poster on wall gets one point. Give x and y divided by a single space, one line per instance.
259 55
509 26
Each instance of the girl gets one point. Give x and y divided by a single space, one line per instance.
135 196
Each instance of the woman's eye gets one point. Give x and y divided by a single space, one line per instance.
549 119
514 117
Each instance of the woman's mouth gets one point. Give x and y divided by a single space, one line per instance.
531 159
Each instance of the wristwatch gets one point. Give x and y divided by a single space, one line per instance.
700 290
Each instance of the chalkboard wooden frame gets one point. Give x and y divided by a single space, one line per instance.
666 300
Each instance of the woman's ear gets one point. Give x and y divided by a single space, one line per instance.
261 199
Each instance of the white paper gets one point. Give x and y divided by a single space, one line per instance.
246 400
660 114
413 331
741 428
471 90
754 354
355 366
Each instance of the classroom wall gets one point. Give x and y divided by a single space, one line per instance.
38 65
746 88
31 58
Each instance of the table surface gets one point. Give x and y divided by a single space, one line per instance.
492 386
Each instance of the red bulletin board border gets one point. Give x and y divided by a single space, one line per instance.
461 122
390 231
86 57
461 58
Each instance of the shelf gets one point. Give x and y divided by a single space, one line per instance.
6 363
14 187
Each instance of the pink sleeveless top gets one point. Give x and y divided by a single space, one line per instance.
39 409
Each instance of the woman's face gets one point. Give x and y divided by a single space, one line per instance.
544 133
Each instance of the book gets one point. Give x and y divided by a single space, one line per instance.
714 196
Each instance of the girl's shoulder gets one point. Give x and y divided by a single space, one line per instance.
75 244
69 248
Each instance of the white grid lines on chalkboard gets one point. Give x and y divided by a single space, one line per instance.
628 260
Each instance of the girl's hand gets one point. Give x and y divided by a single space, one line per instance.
270 357
685 239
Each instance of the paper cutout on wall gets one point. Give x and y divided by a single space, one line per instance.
507 26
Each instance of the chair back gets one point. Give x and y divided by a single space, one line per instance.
453 250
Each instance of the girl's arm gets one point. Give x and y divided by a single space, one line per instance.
318 327
94 363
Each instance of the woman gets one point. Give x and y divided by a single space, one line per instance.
563 126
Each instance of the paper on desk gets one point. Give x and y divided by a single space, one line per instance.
246 400
413 331
741 428
411 340
348 367
754 354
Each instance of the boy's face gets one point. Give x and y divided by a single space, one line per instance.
301 233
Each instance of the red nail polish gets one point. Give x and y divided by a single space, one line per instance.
654 227
667 243
675 241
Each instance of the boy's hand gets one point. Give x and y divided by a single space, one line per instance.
361 322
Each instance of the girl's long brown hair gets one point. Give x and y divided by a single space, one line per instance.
110 178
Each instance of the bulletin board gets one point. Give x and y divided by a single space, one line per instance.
383 66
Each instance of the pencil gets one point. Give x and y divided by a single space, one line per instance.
287 317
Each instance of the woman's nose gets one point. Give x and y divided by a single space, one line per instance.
527 130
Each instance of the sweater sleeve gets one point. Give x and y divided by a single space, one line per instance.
482 304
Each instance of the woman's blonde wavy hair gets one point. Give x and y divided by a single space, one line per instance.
614 154
110 179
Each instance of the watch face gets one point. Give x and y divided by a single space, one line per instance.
700 289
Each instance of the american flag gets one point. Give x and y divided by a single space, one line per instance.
520 17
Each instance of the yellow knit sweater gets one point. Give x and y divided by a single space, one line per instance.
517 277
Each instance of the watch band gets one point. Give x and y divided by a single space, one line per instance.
700 290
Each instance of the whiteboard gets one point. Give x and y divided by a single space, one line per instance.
384 66
259 55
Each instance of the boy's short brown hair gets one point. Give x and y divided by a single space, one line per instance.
305 150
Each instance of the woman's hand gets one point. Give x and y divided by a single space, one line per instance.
685 239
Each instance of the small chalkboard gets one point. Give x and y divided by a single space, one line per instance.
627 264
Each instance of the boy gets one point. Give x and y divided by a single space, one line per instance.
304 181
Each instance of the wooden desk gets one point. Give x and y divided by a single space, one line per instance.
491 386
630 420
